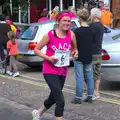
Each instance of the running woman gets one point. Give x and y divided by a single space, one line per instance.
59 42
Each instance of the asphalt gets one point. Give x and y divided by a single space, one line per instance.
10 110
19 96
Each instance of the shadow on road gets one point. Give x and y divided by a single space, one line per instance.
107 85
33 69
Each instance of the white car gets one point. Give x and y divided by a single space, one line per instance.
33 33
31 36
111 55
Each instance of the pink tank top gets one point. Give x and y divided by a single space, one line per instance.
56 44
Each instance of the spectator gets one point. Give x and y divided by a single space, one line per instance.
44 15
13 27
54 13
101 4
72 11
59 42
106 18
98 29
86 6
4 29
12 49
83 64
91 4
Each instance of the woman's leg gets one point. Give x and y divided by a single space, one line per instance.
55 84
62 82
49 101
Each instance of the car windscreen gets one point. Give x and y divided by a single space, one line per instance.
73 26
28 33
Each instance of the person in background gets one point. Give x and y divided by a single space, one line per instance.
54 13
44 15
91 4
72 11
12 50
4 29
86 6
59 41
83 64
101 4
98 29
13 27
107 17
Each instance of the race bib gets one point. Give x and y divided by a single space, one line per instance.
63 57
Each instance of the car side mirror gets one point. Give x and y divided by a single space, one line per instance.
107 30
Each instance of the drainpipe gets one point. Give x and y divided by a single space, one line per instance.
29 12
11 7
61 5
19 13
50 5
73 2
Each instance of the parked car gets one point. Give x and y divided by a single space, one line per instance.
20 27
31 36
33 33
111 55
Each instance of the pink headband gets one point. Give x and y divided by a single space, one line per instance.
64 15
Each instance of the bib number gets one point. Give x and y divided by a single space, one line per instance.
63 58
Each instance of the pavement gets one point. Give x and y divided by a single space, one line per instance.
10 110
20 95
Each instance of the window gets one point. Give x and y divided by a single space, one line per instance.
73 26
29 33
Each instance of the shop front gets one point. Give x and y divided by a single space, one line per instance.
63 4
22 11
28 11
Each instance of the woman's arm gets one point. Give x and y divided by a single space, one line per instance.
40 45
74 46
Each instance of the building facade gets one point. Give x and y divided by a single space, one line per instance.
28 11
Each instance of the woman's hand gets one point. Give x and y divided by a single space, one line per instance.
75 54
74 46
53 59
